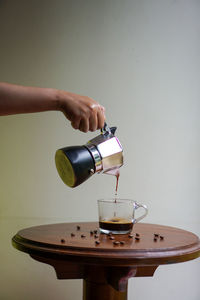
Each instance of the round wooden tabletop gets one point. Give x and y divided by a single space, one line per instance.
147 244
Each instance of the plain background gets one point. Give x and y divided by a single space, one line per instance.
140 59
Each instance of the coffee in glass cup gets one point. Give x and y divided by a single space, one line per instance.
117 216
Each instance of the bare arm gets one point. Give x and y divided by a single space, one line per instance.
83 112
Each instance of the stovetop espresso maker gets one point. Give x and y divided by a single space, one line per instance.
102 154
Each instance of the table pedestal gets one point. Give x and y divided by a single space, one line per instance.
111 283
102 283
99 282
101 291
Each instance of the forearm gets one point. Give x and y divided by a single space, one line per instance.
83 112
15 99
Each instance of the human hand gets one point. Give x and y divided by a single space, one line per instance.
83 112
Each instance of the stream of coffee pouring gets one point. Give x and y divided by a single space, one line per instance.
115 173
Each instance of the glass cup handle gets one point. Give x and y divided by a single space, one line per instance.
136 206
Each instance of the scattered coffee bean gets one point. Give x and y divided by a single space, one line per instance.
78 227
96 236
156 235
83 235
155 239
97 242
72 234
161 237
137 239
137 234
91 232
111 238
62 241
122 242
130 236
95 231
110 234
116 243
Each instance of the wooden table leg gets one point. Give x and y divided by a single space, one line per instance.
107 283
99 282
101 291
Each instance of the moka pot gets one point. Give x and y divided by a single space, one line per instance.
102 154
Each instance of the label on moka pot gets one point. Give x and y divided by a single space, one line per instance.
64 168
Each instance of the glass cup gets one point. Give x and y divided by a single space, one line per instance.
117 216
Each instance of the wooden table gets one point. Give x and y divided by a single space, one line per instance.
78 250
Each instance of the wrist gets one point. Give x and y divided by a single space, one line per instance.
61 98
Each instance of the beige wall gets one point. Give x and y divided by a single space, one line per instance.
140 59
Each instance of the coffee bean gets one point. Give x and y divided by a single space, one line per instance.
96 236
122 242
155 239
137 239
156 235
72 234
78 227
91 232
83 235
110 234
97 242
111 238
116 243
95 231
137 234
62 241
161 237
130 236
